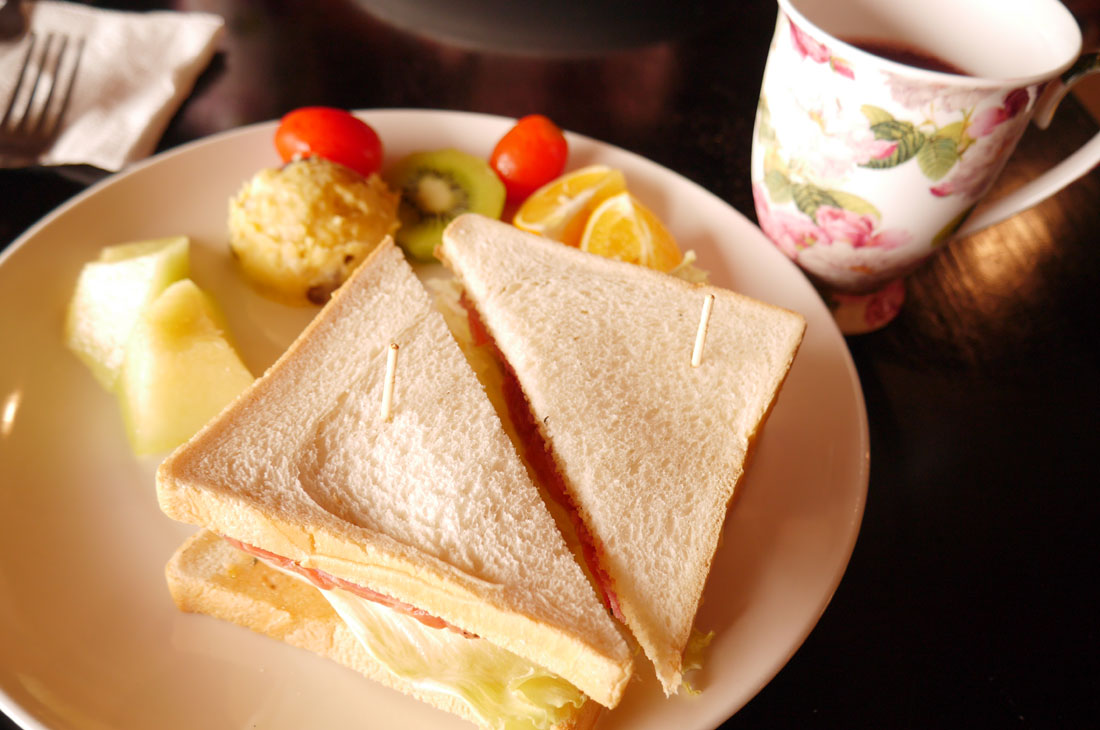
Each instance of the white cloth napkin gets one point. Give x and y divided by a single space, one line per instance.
135 71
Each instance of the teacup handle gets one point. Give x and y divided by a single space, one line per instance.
1059 176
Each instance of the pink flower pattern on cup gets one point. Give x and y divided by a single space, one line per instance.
857 314
793 232
807 47
789 231
858 230
834 242
818 52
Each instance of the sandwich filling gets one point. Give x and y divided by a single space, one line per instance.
324 581
540 457
503 690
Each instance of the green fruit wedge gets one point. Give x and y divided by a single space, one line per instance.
110 295
180 369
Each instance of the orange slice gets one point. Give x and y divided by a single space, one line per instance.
622 228
560 208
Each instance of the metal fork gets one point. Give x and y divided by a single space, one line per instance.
36 109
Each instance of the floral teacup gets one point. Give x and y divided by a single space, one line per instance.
880 126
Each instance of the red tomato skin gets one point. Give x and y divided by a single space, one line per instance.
529 155
334 134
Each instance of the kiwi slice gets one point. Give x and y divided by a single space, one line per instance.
436 187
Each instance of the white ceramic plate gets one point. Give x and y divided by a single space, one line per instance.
89 637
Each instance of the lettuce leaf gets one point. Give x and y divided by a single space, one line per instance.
693 657
688 271
506 691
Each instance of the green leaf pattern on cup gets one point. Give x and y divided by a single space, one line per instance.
936 150
907 138
807 197
937 156
854 203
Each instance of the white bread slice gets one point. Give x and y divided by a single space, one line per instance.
207 575
433 507
649 447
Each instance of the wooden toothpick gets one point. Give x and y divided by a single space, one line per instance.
701 335
387 387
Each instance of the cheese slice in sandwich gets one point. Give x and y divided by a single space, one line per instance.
427 509
648 448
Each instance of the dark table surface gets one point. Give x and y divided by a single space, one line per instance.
967 601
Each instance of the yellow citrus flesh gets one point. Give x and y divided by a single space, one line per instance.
622 228
560 208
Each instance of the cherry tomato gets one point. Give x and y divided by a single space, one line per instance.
530 155
334 134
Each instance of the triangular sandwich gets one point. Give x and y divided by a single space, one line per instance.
648 447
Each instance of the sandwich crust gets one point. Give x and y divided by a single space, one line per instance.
431 507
